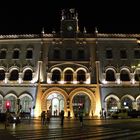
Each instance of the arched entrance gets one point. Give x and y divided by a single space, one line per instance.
26 102
126 103
111 104
81 101
55 103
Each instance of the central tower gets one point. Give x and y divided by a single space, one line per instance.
69 23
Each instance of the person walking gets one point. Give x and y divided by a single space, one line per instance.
7 116
48 116
104 114
81 117
62 117
43 117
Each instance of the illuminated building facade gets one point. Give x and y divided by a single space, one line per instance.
69 70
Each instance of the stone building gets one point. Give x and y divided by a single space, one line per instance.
69 70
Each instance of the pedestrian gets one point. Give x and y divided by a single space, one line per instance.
7 117
62 117
81 117
105 114
100 114
43 117
56 112
48 116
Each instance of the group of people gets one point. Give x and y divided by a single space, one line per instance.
45 117
103 114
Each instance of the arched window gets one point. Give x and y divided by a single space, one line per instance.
26 103
14 75
56 75
126 103
81 76
1 104
2 75
27 75
112 104
68 75
13 103
110 75
124 75
137 75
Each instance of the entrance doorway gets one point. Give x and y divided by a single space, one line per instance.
81 101
55 103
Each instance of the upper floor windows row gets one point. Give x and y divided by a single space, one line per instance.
68 54
123 54
69 76
16 54
14 75
124 75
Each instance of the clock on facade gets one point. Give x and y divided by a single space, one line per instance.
69 28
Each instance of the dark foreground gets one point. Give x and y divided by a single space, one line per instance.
128 129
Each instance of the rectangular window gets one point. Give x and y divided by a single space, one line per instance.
81 54
29 54
137 54
16 54
109 54
3 54
68 54
56 54
123 54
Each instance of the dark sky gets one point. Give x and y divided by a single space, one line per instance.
109 17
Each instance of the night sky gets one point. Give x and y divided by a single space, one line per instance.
112 17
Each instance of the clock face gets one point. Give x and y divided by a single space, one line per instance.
69 28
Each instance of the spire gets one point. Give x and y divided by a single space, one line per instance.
53 31
63 14
42 32
69 14
96 30
85 31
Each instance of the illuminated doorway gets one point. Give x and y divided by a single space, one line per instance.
55 103
112 104
81 101
126 103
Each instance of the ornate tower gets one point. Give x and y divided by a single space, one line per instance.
69 23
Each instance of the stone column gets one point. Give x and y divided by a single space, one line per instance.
20 78
6 77
134 105
119 104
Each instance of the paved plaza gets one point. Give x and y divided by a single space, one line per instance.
72 130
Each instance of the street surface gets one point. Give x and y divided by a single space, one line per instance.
93 129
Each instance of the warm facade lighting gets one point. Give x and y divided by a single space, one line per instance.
118 81
37 111
49 81
62 82
74 82
104 81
